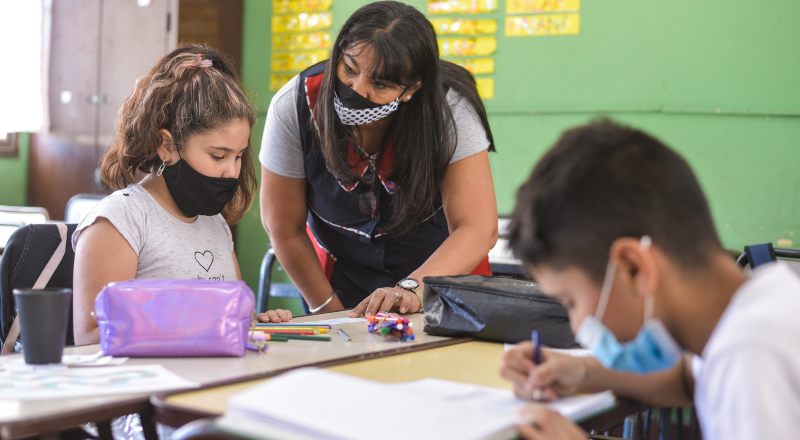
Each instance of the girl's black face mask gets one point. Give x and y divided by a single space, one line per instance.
195 193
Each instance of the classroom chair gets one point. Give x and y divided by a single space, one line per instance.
501 259
755 255
79 205
13 217
284 293
6 230
23 215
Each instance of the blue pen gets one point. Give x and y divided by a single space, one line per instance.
536 341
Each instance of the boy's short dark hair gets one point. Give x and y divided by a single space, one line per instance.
603 181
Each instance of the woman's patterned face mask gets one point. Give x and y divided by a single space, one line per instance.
354 109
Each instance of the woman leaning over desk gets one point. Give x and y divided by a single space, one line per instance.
375 168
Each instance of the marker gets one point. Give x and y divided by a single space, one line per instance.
343 334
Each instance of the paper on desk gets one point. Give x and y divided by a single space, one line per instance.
498 401
62 382
91 360
335 321
67 360
312 403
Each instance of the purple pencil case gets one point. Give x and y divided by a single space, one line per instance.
165 318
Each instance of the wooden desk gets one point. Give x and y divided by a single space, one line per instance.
471 362
25 418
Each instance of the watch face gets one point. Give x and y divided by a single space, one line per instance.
408 284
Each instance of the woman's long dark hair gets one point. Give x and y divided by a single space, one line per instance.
405 49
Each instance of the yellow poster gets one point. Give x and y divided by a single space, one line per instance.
301 22
464 26
461 6
296 61
295 6
485 87
476 66
538 6
466 47
277 80
303 41
541 25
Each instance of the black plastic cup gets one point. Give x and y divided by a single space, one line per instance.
43 316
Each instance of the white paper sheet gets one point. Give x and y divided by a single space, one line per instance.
312 403
322 404
54 382
498 401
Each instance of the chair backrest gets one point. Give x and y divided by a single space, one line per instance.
6 230
267 289
755 255
23 215
501 259
79 205
26 254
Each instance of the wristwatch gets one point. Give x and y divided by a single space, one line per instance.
412 286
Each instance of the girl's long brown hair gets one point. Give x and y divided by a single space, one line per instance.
185 96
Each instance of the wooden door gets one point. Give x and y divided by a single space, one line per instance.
62 159
215 23
98 50
135 35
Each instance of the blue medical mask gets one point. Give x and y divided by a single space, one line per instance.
653 348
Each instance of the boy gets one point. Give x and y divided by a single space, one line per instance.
614 224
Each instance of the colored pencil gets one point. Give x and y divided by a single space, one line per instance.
307 338
318 329
287 324
289 331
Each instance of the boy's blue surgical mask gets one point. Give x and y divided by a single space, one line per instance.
653 348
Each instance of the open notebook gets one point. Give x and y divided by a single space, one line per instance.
312 404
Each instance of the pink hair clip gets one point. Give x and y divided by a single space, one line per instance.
205 63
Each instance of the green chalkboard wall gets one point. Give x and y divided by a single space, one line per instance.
715 79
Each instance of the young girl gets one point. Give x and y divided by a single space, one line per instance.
183 136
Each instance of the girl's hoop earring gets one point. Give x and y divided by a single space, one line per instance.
160 170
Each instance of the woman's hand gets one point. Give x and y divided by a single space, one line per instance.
385 299
557 375
277 315
544 423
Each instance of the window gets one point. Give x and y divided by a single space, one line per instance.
22 32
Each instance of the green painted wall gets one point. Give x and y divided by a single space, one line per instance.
715 79
14 175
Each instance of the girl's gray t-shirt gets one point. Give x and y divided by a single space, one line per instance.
282 153
166 247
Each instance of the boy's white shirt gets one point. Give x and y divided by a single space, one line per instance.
748 377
